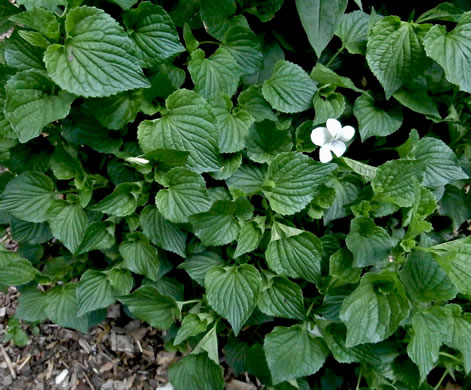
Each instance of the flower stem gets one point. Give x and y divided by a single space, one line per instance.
441 380
208 43
335 55
359 378
450 356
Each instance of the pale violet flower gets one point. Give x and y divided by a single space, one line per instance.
331 138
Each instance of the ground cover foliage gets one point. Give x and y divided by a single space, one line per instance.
159 154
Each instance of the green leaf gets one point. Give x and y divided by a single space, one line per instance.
320 19
254 103
370 244
374 120
20 55
28 196
248 179
7 10
395 52
116 111
325 76
197 266
154 34
233 292
35 38
293 178
124 4
374 310
32 305
293 353
460 330
328 106
230 164
147 304
39 20
215 74
290 89
415 96
217 226
265 10
14 270
395 182
209 344
68 224
334 336
140 256
272 53
446 12
50 5
216 15
62 307
188 125
80 128
456 264
345 194
192 325
352 29
97 58
456 204
250 236
265 141
451 50
168 79
233 124
245 48
424 280
31 233
97 236
186 195
282 298
121 281
341 267
430 329
295 253
196 372
32 103
94 291
365 170
121 202
161 232
438 161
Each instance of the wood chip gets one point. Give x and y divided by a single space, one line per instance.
8 362
61 377
106 367
234 384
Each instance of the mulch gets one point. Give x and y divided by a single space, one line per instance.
110 357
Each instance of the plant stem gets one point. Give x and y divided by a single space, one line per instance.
450 356
208 43
359 378
310 308
335 55
441 380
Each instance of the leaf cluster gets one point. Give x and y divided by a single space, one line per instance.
158 154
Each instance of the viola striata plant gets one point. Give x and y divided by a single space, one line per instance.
187 160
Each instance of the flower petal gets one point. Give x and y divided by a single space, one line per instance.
320 136
324 154
338 147
334 126
346 133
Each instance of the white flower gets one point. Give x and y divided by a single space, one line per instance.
331 138
137 160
